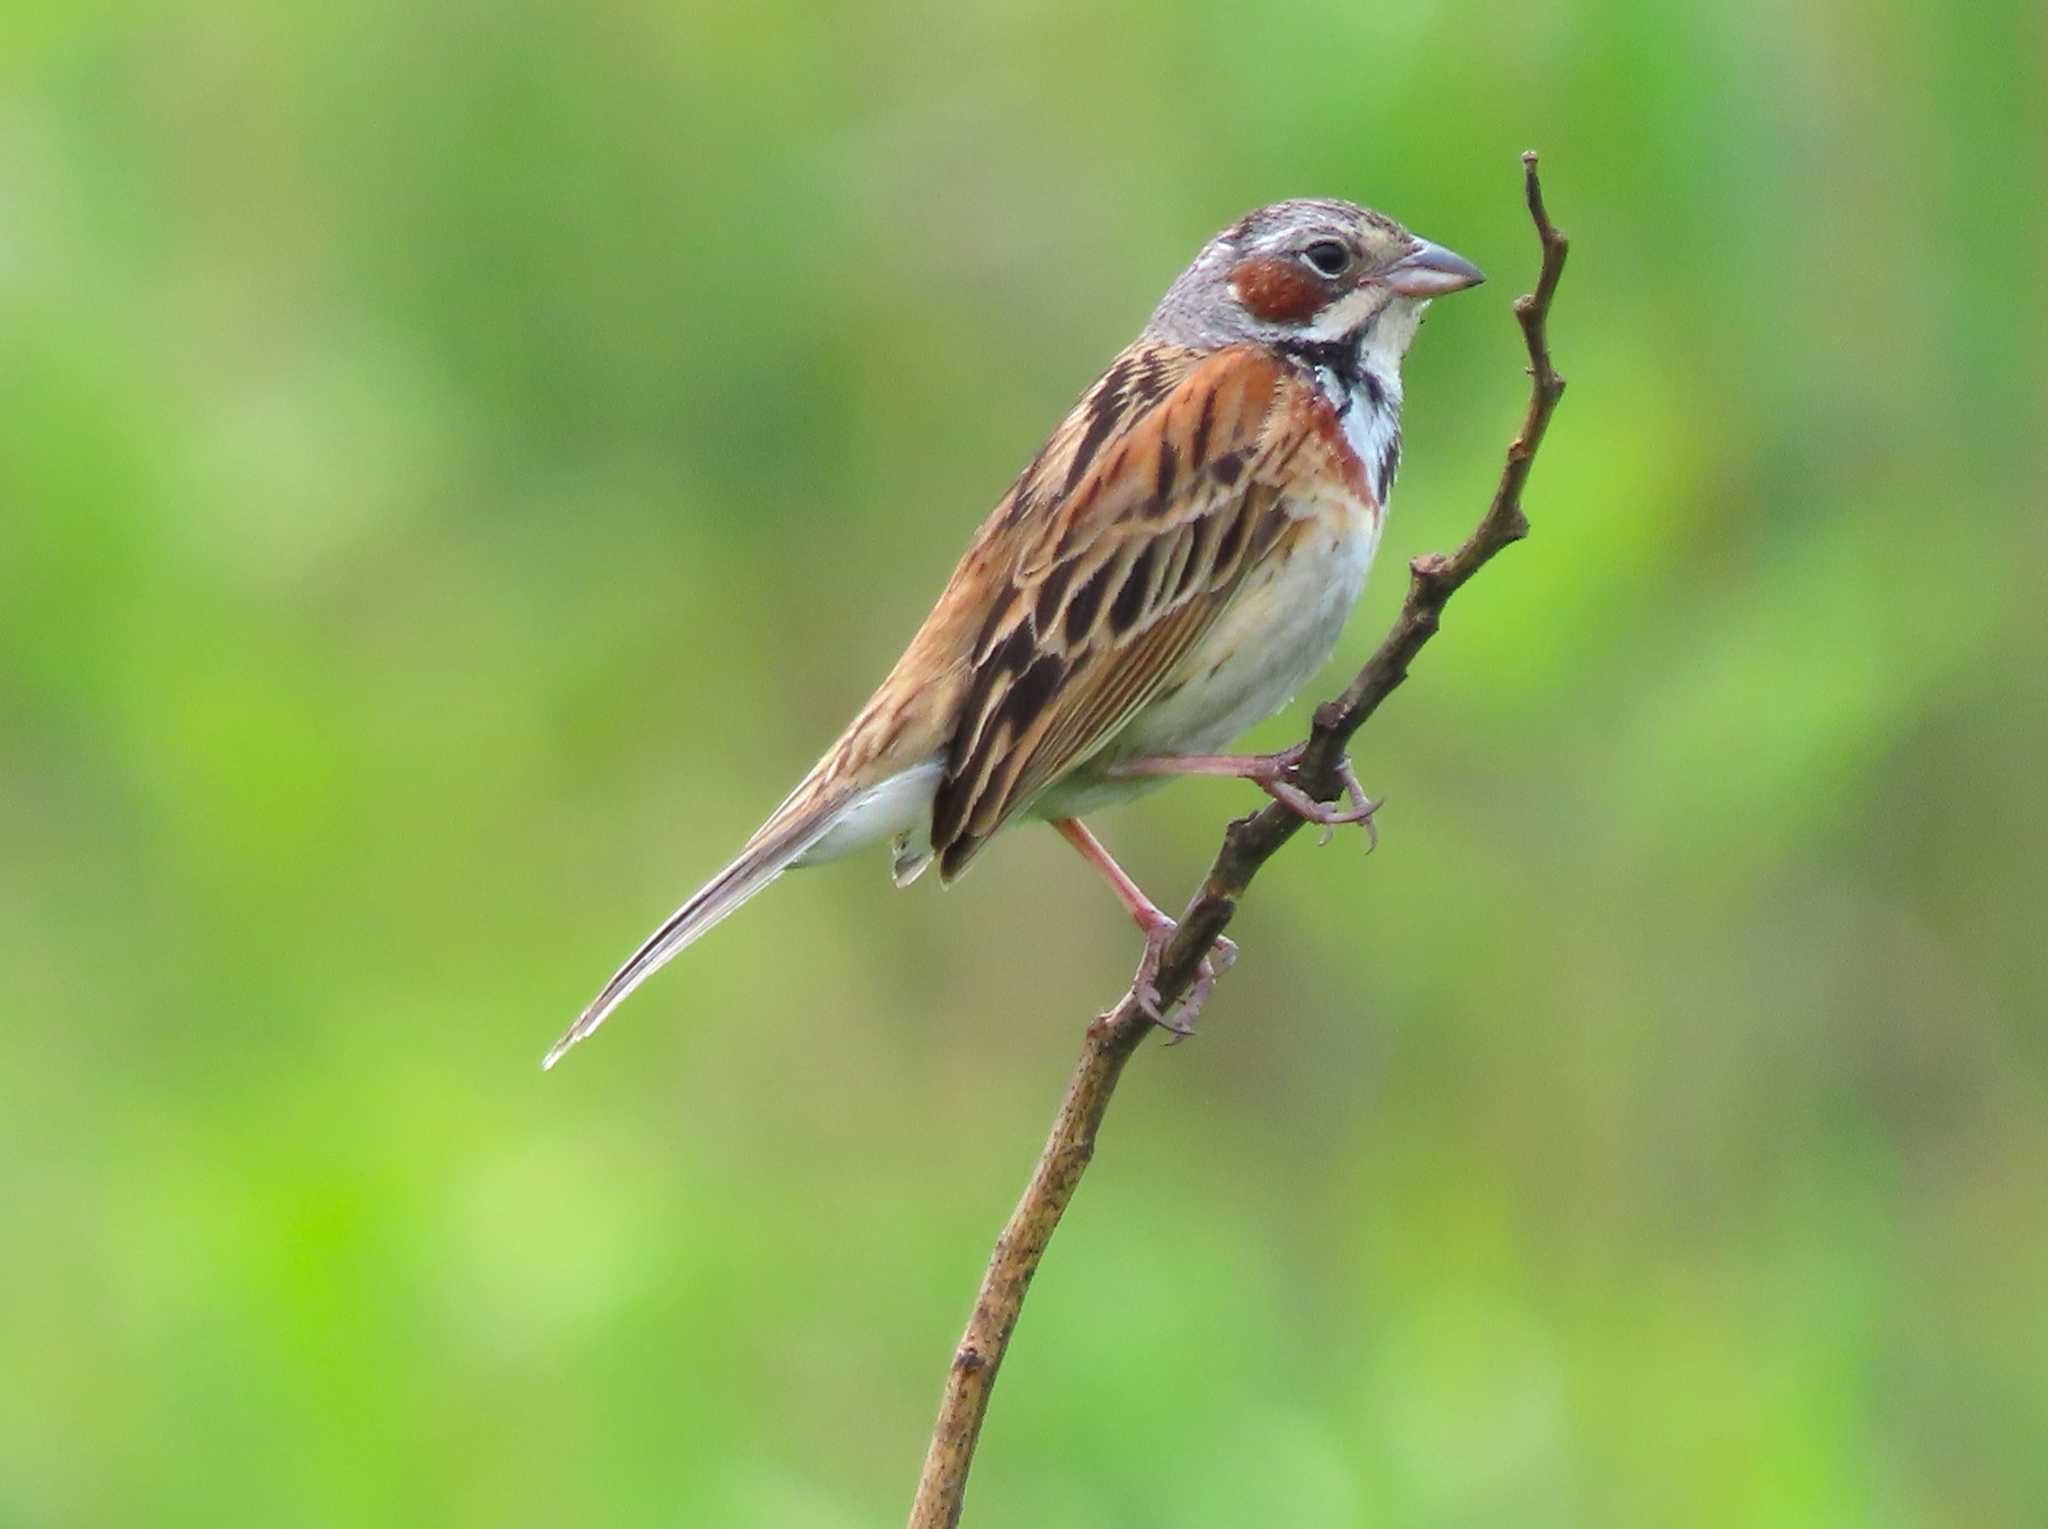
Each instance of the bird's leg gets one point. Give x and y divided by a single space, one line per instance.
1273 774
1157 928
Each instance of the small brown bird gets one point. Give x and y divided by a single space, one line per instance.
1172 566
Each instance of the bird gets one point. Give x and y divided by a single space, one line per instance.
1175 562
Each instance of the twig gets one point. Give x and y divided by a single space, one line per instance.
1247 845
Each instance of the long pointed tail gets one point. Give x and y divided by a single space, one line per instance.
796 826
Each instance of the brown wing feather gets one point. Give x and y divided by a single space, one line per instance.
1127 539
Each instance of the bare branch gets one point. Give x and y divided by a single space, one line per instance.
1247 845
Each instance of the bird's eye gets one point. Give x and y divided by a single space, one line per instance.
1327 257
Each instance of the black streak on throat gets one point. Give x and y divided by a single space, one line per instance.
1344 361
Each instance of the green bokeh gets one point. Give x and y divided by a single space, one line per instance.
458 466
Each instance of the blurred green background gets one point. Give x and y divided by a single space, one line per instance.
458 465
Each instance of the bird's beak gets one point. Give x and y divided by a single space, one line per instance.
1430 270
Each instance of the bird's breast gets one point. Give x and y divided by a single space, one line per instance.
1278 630
1283 622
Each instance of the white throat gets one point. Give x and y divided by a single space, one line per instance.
1356 349
1393 320
1372 426
1394 330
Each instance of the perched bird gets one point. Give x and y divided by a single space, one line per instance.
1170 568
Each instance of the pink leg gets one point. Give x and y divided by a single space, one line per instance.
1157 928
1140 907
1274 775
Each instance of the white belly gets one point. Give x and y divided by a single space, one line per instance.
1277 633
1279 630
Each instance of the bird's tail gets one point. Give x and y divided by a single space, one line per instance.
799 823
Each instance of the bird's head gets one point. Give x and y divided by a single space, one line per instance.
1310 272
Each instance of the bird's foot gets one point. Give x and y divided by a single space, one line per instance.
1178 1017
1278 776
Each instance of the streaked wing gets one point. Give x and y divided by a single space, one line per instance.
1127 538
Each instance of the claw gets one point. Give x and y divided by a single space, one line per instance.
1223 953
1327 814
1180 1018
1363 806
